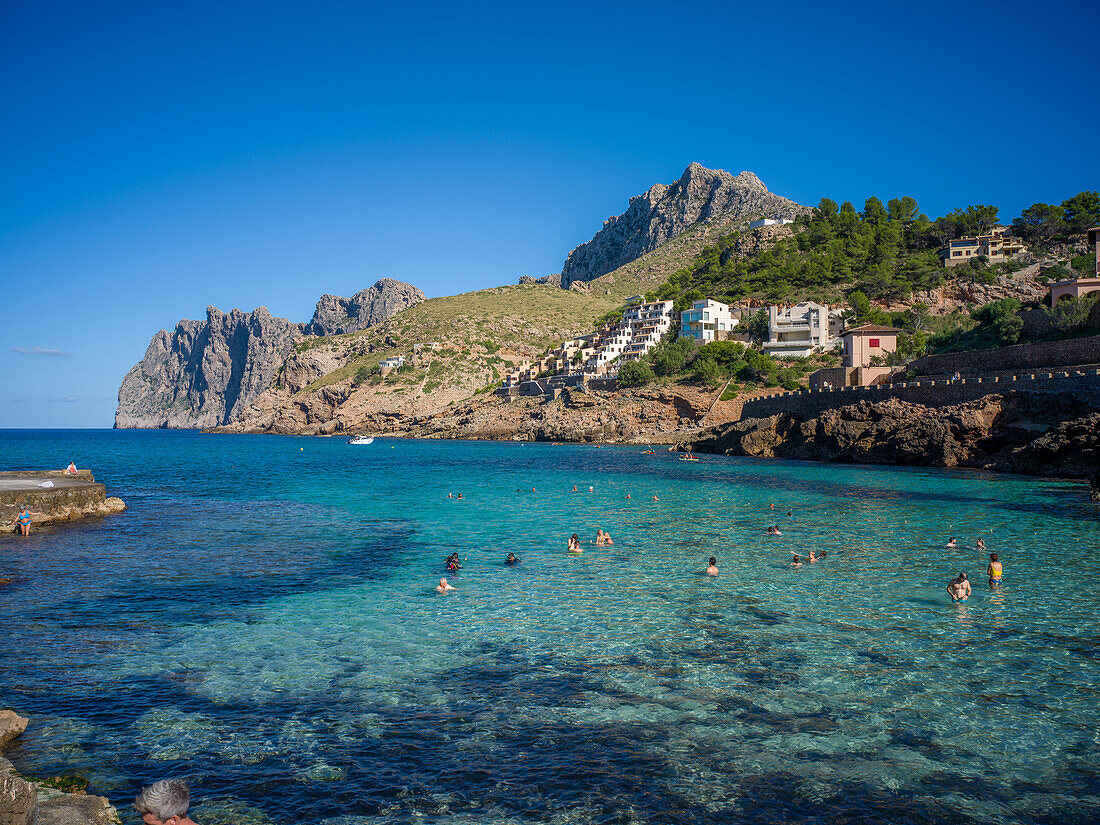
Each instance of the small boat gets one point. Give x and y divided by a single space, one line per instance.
361 439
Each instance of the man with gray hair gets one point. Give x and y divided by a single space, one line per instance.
164 803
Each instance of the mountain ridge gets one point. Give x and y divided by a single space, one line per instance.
665 211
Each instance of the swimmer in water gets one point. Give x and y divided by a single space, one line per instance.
591 490
450 495
980 545
773 530
628 495
951 545
824 553
959 589
813 558
512 560
575 544
655 498
796 561
994 571
443 587
574 490
712 567
460 495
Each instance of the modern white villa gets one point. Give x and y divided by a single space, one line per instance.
707 320
801 329
761 222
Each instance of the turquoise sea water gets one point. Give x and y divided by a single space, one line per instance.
262 620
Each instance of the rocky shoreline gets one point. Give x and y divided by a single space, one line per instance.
42 802
1011 432
69 498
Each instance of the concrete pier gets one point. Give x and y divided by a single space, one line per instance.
70 497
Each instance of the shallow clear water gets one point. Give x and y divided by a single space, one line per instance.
262 620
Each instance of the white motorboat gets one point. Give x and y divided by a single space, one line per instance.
362 439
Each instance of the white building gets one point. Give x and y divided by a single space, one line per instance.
392 363
641 329
801 329
769 222
707 320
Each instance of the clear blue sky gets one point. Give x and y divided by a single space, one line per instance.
157 158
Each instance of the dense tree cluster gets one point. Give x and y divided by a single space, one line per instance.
883 251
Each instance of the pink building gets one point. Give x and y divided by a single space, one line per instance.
1079 287
861 344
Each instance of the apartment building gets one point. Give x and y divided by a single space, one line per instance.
998 245
707 320
799 330
641 329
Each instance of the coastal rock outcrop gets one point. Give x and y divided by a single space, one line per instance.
336 316
1012 432
204 373
44 802
666 211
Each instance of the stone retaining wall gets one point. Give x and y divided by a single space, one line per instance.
1051 354
1081 384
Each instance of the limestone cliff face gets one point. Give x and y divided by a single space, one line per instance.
204 373
664 212
336 316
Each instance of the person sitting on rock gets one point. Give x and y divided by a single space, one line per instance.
164 803
71 469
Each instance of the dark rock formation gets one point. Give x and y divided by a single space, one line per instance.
204 373
664 212
1014 432
336 316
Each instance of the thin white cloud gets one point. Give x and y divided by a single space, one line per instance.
66 400
39 351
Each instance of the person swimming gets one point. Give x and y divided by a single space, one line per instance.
712 567
443 587
812 557
575 544
453 562
980 545
574 490
773 530
994 571
512 560
959 589
796 561
603 539
951 545
824 553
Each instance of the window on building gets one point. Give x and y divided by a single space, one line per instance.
873 342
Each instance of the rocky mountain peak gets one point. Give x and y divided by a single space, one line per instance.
664 211
337 316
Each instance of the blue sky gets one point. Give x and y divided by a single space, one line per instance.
158 158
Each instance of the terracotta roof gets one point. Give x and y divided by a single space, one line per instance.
869 328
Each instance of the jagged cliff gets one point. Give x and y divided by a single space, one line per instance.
204 372
208 373
666 211
337 316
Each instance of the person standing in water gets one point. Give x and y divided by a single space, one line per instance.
443 587
575 544
712 567
994 571
959 589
